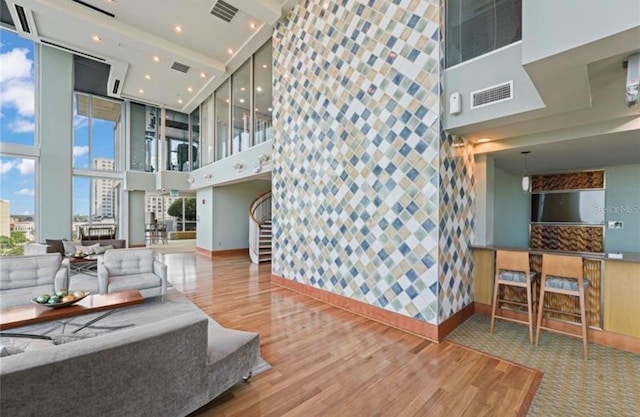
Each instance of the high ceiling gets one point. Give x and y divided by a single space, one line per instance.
141 40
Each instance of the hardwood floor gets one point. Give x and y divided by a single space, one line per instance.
329 362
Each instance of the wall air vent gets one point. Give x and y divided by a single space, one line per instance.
116 85
492 95
180 67
224 11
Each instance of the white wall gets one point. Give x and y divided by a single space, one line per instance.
229 224
204 212
497 67
55 120
622 203
572 23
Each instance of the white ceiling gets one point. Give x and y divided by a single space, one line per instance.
142 30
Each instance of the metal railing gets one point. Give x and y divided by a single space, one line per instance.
259 213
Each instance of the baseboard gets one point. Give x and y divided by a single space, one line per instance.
138 245
597 336
225 252
428 331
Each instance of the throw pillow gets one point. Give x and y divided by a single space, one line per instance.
56 246
100 250
87 249
8 349
70 246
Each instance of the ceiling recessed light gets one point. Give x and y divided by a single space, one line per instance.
230 50
178 29
179 101
242 88
141 91
148 77
270 109
189 89
484 140
96 38
252 25
156 59
259 89
203 75
241 100
226 101
264 66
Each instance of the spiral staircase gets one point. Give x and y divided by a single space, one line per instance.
260 229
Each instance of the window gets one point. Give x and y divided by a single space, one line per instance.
195 138
96 133
17 88
247 94
475 27
177 141
17 204
262 70
207 128
95 202
241 104
145 135
222 120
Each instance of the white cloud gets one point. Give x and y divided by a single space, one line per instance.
22 126
26 166
16 81
80 121
80 150
25 191
6 166
15 65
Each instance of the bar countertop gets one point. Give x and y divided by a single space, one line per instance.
611 256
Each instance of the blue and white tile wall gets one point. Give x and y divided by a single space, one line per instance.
357 154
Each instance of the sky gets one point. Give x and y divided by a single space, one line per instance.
17 106
17 123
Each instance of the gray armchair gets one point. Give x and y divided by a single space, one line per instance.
25 277
128 269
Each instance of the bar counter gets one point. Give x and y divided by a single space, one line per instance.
614 294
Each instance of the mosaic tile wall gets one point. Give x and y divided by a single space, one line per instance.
357 158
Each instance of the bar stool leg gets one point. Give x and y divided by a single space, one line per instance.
529 310
543 284
496 289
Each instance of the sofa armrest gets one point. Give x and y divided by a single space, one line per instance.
61 279
103 277
160 269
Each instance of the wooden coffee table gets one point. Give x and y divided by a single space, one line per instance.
31 314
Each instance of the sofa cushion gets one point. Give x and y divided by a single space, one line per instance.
128 262
137 281
28 271
22 296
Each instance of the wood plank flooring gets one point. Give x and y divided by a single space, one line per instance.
329 362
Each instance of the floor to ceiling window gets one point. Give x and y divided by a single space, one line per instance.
145 136
222 116
97 162
19 156
262 93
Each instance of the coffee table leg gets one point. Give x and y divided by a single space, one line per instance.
90 322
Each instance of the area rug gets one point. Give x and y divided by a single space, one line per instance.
605 385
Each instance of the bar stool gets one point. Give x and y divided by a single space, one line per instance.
512 269
564 275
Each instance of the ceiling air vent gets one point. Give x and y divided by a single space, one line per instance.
180 67
22 19
224 11
492 95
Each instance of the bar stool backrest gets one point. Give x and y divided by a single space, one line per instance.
512 261
563 266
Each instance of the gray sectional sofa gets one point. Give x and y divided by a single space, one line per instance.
155 359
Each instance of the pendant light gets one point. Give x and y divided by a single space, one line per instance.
525 178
